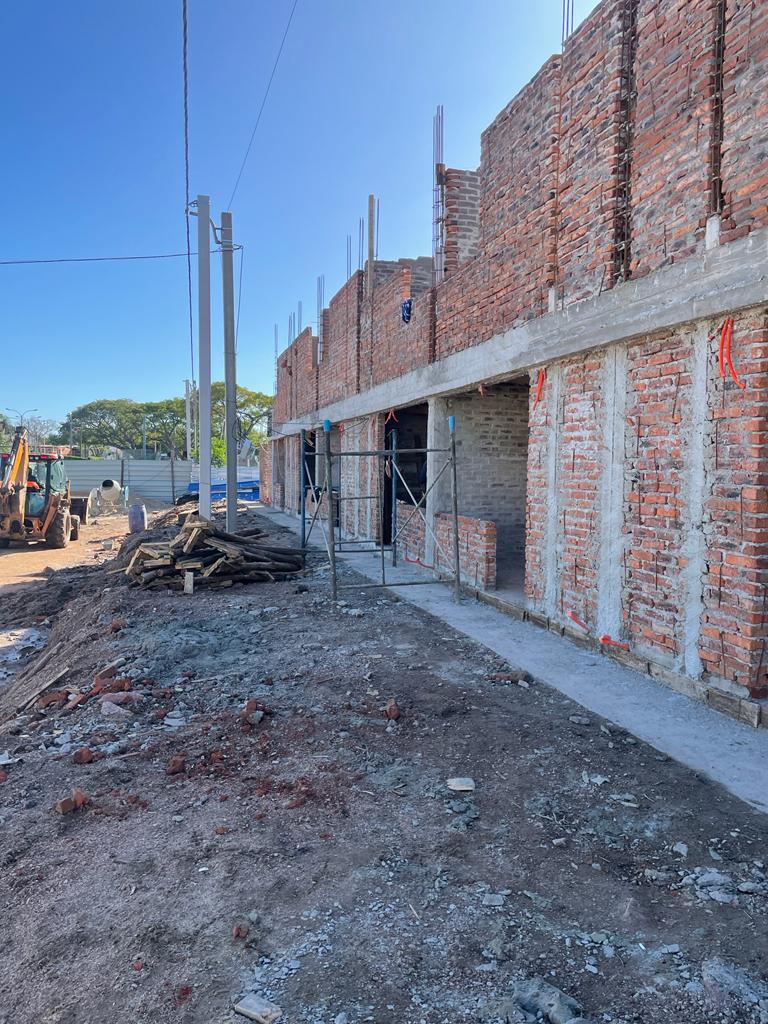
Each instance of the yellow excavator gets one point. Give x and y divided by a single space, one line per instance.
35 499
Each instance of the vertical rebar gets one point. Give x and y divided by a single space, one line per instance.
393 526
329 497
455 503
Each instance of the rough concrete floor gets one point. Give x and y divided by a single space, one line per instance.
308 849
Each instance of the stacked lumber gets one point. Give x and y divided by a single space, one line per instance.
204 556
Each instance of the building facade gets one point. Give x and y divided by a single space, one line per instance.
599 330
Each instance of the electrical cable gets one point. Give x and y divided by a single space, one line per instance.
263 103
105 259
185 72
99 259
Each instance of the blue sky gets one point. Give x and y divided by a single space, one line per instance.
93 165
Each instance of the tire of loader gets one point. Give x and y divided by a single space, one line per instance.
59 531
5 543
74 533
81 508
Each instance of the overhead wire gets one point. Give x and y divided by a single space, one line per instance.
108 259
263 102
101 259
185 73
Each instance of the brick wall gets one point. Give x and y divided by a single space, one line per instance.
395 347
691 454
338 372
360 477
733 640
745 116
658 413
491 457
508 283
578 470
544 207
461 217
589 151
411 541
477 549
265 473
672 130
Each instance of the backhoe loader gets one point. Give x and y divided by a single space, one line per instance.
35 499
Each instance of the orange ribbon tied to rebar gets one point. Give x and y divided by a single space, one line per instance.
725 358
539 386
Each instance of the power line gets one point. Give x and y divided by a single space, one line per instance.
263 103
185 71
100 259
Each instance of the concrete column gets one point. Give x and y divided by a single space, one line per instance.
551 541
612 537
693 546
439 498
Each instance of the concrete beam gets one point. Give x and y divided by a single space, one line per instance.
719 281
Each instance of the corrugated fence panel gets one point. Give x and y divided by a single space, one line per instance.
150 479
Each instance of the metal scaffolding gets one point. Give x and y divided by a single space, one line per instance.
333 500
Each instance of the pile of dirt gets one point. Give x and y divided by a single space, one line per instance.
256 802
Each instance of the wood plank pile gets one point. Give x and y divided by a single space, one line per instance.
204 556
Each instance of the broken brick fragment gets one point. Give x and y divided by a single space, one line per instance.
75 700
182 994
221 830
391 710
3 775
240 931
65 806
116 625
54 697
106 673
83 756
249 707
80 798
177 765
138 965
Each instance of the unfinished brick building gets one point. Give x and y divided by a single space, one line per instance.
599 328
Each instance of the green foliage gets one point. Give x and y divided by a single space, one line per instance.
120 423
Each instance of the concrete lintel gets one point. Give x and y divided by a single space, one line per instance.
722 280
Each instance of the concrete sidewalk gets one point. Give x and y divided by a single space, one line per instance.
727 751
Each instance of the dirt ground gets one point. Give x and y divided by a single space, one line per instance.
27 563
268 813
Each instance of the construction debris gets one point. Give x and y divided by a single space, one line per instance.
202 555
255 1008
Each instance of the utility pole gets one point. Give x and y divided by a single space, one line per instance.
188 414
230 368
144 438
204 351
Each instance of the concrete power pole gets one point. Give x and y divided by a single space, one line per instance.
230 367
188 415
204 353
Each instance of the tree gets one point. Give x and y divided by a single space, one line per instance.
252 410
166 423
39 430
110 422
6 430
122 423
